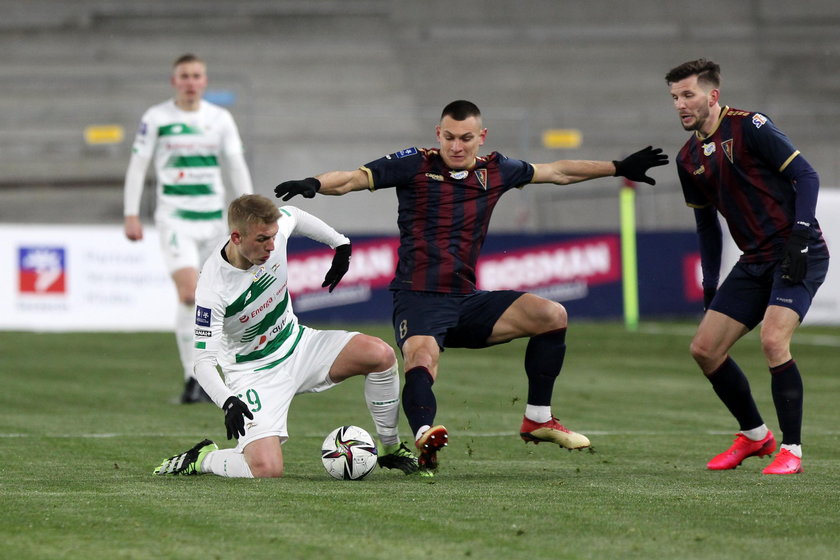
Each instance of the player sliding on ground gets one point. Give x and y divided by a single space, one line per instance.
245 324
446 197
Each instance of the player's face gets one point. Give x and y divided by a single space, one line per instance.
459 141
693 103
189 80
257 244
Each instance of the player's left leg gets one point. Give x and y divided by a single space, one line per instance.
375 359
545 322
789 303
785 385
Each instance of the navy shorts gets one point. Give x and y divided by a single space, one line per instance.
456 321
750 288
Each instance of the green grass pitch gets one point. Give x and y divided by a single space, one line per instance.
84 418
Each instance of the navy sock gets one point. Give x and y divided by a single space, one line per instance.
786 386
419 401
543 361
733 388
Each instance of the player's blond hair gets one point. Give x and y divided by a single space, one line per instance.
251 209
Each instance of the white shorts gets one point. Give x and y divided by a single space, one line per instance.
269 393
187 244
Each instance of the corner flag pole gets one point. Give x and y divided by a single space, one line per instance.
629 268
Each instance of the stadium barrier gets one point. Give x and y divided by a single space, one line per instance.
90 278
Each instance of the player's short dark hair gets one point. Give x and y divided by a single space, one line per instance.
251 209
706 71
461 110
185 58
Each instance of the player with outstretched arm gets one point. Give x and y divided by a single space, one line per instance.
245 325
446 197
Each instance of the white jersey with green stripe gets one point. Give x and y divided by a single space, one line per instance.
187 147
244 318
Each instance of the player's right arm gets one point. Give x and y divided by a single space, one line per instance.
333 183
141 154
133 191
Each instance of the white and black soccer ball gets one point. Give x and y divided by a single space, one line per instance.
349 453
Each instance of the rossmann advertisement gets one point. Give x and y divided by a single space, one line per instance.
90 278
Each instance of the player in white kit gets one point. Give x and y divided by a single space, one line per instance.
188 138
245 325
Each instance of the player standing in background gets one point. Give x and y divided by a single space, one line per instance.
188 138
245 325
739 164
446 197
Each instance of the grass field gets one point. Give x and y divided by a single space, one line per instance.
84 419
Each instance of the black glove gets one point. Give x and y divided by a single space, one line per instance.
340 265
708 296
235 413
795 256
636 165
304 187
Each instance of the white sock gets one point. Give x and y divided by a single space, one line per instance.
421 431
756 434
226 462
382 394
794 448
184 330
538 414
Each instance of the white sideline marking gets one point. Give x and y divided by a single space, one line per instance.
798 338
621 433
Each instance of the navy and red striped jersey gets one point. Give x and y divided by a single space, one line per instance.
443 214
739 170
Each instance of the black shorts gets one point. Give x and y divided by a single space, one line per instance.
750 288
456 321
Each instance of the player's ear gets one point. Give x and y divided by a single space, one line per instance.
714 96
482 137
236 237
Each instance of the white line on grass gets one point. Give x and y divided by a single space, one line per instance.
798 338
618 433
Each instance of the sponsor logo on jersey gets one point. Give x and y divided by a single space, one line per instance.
727 149
758 120
459 175
709 149
434 176
203 333
405 153
41 270
244 318
203 316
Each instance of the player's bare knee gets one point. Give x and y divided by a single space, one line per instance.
774 346
266 469
549 316
704 355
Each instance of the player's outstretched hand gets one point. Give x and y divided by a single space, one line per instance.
340 266
635 166
795 256
307 188
235 413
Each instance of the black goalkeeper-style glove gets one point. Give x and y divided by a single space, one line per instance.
340 266
235 413
307 188
795 256
635 166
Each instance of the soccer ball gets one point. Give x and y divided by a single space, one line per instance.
348 453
